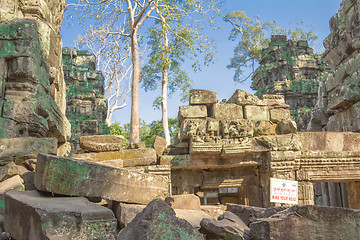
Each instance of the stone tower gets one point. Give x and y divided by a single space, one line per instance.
291 69
86 104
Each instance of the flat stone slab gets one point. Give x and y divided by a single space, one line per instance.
33 215
101 143
27 145
130 157
80 178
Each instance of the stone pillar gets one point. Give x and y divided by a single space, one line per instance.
354 194
306 193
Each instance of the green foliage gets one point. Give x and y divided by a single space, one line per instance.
148 132
173 39
253 36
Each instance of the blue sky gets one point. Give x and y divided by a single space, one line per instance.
315 15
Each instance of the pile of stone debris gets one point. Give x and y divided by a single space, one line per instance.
127 197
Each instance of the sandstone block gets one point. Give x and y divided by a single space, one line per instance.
228 111
14 182
256 113
213 210
243 98
101 143
202 97
309 222
33 215
158 221
192 127
130 157
26 145
264 128
29 181
286 127
228 226
193 217
286 142
237 128
79 178
279 114
159 145
184 201
195 111
118 163
124 212
249 214
10 170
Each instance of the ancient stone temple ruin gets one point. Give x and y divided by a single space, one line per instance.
233 148
32 87
86 104
290 68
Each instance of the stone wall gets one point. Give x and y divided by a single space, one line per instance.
228 152
86 104
338 106
291 69
32 88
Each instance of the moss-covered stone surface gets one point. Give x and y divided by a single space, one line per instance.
86 105
291 69
28 107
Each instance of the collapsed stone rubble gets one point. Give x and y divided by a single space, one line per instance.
224 154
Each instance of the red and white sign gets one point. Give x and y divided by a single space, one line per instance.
283 191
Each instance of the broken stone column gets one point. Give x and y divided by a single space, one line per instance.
34 215
79 178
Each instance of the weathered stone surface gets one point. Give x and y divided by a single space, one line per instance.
286 142
10 170
157 221
26 145
35 95
33 215
286 127
290 68
14 182
124 212
202 97
79 178
192 127
159 145
196 111
249 214
130 157
213 210
279 114
193 217
101 143
87 107
243 98
256 113
309 222
184 201
118 163
28 179
228 111
228 226
264 128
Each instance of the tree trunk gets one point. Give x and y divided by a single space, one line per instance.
134 122
164 106
164 84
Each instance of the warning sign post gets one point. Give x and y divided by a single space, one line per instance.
283 191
